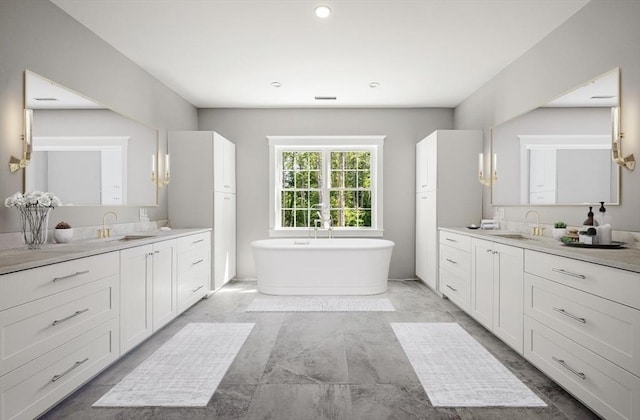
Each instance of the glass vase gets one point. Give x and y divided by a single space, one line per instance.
35 225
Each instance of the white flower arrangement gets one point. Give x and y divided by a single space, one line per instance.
33 199
34 209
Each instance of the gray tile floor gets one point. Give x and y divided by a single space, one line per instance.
300 366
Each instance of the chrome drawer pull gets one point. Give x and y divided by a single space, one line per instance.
156 252
570 315
197 262
73 315
451 261
197 288
450 240
195 242
568 273
455 290
227 186
77 273
75 365
569 368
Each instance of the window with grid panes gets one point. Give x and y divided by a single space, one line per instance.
321 181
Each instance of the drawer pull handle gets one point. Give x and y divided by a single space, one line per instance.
227 186
197 262
77 273
568 273
451 261
569 368
75 365
450 240
197 288
455 290
156 252
195 242
73 315
570 315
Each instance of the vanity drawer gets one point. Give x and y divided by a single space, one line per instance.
28 285
188 243
32 329
455 260
30 390
610 283
194 272
456 286
455 240
607 328
609 390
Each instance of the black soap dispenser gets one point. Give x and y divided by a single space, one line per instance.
589 221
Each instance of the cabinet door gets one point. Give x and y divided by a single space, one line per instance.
482 267
426 239
421 236
224 158
164 283
426 169
135 296
224 246
509 295
431 155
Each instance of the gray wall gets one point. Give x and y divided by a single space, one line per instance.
38 36
601 36
248 129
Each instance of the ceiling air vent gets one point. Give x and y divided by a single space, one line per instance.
326 98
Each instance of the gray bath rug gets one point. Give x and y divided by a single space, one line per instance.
319 304
184 372
456 371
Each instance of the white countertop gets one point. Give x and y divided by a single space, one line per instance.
16 259
623 258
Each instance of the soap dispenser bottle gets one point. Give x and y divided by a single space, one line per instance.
601 214
589 221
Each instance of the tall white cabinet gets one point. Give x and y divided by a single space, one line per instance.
202 193
448 193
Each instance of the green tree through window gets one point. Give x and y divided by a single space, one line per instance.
336 183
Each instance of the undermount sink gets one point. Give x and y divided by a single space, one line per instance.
513 236
133 237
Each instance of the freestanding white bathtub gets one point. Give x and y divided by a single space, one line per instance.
341 266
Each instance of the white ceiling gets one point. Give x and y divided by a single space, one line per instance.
226 53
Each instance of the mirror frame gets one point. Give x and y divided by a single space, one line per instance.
616 140
28 146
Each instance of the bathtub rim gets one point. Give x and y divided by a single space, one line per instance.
299 244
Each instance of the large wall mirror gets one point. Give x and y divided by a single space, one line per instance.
560 153
86 154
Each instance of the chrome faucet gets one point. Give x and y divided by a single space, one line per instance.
537 230
106 232
322 221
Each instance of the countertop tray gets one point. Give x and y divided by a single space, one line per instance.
612 245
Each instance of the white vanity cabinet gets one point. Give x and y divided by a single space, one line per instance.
193 269
59 328
497 289
455 268
148 298
203 165
446 195
582 328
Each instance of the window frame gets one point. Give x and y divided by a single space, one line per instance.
326 144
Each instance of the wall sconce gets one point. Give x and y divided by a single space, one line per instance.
494 177
160 182
16 164
628 162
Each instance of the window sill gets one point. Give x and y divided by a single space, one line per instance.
322 233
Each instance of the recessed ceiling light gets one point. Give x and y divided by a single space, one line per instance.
374 84
322 11
276 84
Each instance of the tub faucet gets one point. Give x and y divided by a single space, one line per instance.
106 232
537 230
